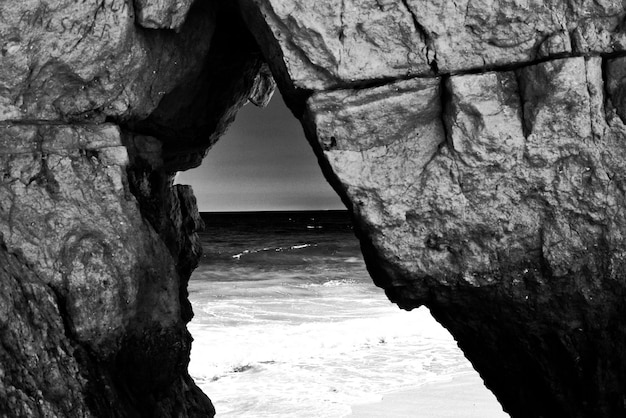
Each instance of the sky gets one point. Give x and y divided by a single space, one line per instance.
262 163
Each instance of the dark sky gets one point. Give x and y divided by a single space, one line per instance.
263 162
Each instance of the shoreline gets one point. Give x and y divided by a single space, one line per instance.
463 396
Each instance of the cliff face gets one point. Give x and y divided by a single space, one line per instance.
96 245
479 145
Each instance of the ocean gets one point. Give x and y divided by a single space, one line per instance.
288 323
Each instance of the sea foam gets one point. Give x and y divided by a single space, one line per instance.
288 323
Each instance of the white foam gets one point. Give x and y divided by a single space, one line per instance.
319 369
307 342
274 249
299 246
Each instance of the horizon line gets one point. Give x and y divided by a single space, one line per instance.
273 210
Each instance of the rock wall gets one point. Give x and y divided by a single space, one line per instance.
100 104
480 147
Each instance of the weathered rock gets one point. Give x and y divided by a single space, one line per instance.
162 14
334 43
79 61
504 214
96 244
33 334
107 283
484 173
263 89
192 116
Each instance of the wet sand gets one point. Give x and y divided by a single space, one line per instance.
462 397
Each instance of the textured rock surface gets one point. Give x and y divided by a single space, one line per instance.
103 284
96 244
503 214
85 61
330 43
191 117
480 146
162 14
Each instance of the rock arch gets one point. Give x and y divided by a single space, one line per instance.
480 149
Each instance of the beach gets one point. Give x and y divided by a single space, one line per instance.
289 324
463 396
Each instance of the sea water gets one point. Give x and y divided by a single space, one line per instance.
288 323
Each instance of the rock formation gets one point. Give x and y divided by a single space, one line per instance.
96 245
479 146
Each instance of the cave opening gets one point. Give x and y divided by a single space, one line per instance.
287 320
